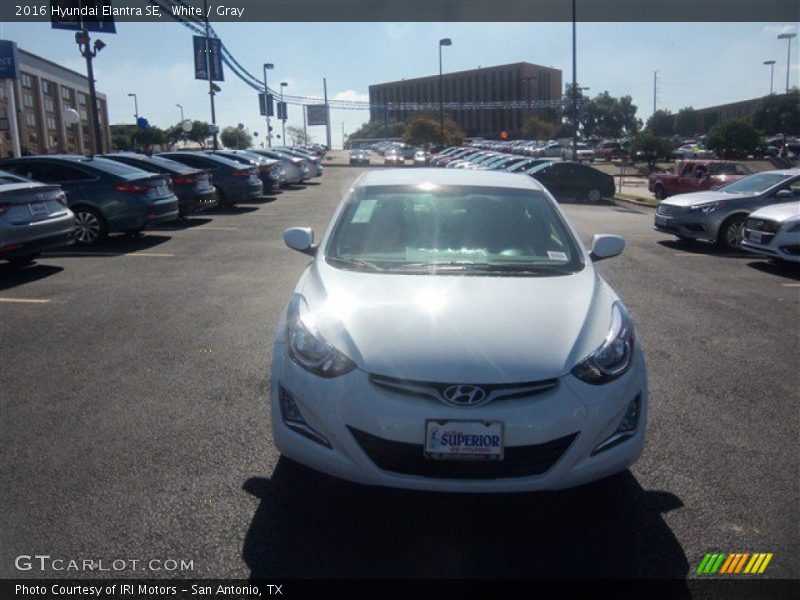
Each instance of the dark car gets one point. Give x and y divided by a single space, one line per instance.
234 181
106 196
269 170
568 180
192 186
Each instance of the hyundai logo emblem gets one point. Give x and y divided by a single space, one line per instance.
465 395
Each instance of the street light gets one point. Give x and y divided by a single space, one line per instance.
788 37
89 51
283 115
771 64
267 66
181 107
442 42
135 106
574 85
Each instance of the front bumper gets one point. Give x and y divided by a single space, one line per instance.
686 225
364 424
783 245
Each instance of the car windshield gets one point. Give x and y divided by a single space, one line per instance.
474 229
755 184
538 168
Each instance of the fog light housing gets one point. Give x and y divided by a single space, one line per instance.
626 428
293 418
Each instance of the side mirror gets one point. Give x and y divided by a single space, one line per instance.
300 239
606 246
784 194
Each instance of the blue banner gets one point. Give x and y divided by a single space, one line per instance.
215 49
82 14
8 60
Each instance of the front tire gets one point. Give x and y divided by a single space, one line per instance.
90 226
594 196
660 192
731 233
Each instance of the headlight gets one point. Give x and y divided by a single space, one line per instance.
793 228
308 348
708 208
614 357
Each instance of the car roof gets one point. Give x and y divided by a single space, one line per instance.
449 177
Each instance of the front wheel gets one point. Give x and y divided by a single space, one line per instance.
594 196
660 192
731 233
90 227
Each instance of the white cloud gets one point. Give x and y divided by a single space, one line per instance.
352 96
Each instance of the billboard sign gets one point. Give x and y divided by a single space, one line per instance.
268 111
8 59
215 50
317 114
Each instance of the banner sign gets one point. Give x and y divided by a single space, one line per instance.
282 114
268 111
317 114
8 59
215 50
92 15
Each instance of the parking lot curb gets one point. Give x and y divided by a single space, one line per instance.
638 201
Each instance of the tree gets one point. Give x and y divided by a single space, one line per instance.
298 135
778 113
568 113
377 129
238 139
149 137
425 130
122 137
607 116
733 139
651 147
686 122
200 132
538 129
661 123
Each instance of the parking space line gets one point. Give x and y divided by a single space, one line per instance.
686 254
149 254
790 284
212 228
155 254
24 300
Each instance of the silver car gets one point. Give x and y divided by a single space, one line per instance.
719 215
292 166
33 217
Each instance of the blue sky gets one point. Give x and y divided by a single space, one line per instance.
700 64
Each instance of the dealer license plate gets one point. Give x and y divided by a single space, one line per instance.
660 220
464 440
754 236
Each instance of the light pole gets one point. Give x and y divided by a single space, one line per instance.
89 51
442 42
181 107
788 37
771 64
574 86
267 67
135 106
283 115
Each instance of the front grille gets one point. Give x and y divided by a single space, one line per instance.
669 209
437 391
409 459
762 225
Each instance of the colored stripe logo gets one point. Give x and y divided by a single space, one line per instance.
735 563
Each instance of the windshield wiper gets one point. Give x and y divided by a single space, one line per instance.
486 267
355 263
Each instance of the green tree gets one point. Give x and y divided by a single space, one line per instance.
651 147
377 129
778 113
298 135
568 114
149 137
238 139
661 123
686 122
607 116
538 129
122 137
200 132
733 139
425 130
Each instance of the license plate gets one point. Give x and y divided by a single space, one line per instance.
754 236
158 191
463 440
38 209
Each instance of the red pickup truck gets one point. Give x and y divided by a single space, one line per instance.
695 176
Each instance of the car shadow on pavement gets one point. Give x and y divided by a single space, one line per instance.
781 269
114 245
309 525
182 224
259 200
13 275
707 248
232 210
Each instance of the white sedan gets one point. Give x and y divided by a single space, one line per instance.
774 231
452 334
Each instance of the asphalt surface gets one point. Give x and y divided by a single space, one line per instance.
134 420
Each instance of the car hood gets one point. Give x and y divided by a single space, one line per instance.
695 198
786 211
450 328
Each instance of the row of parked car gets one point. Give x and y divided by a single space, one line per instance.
50 201
566 180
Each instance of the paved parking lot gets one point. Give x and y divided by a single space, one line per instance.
133 419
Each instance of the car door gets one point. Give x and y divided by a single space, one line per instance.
553 178
72 180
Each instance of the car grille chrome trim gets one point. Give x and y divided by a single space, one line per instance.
436 390
763 225
669 209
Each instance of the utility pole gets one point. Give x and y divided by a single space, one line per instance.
442 42
342 135
655 89
771 64
283 115
208 72
305 131
267 103
574 86
89 52
327 113
181 107
788 37
135 106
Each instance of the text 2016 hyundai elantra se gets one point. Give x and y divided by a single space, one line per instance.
451 333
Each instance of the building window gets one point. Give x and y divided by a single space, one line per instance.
47 87
26 80
51 123
49 105
30 119
81 98
27 99
53 141
83 114
65 93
